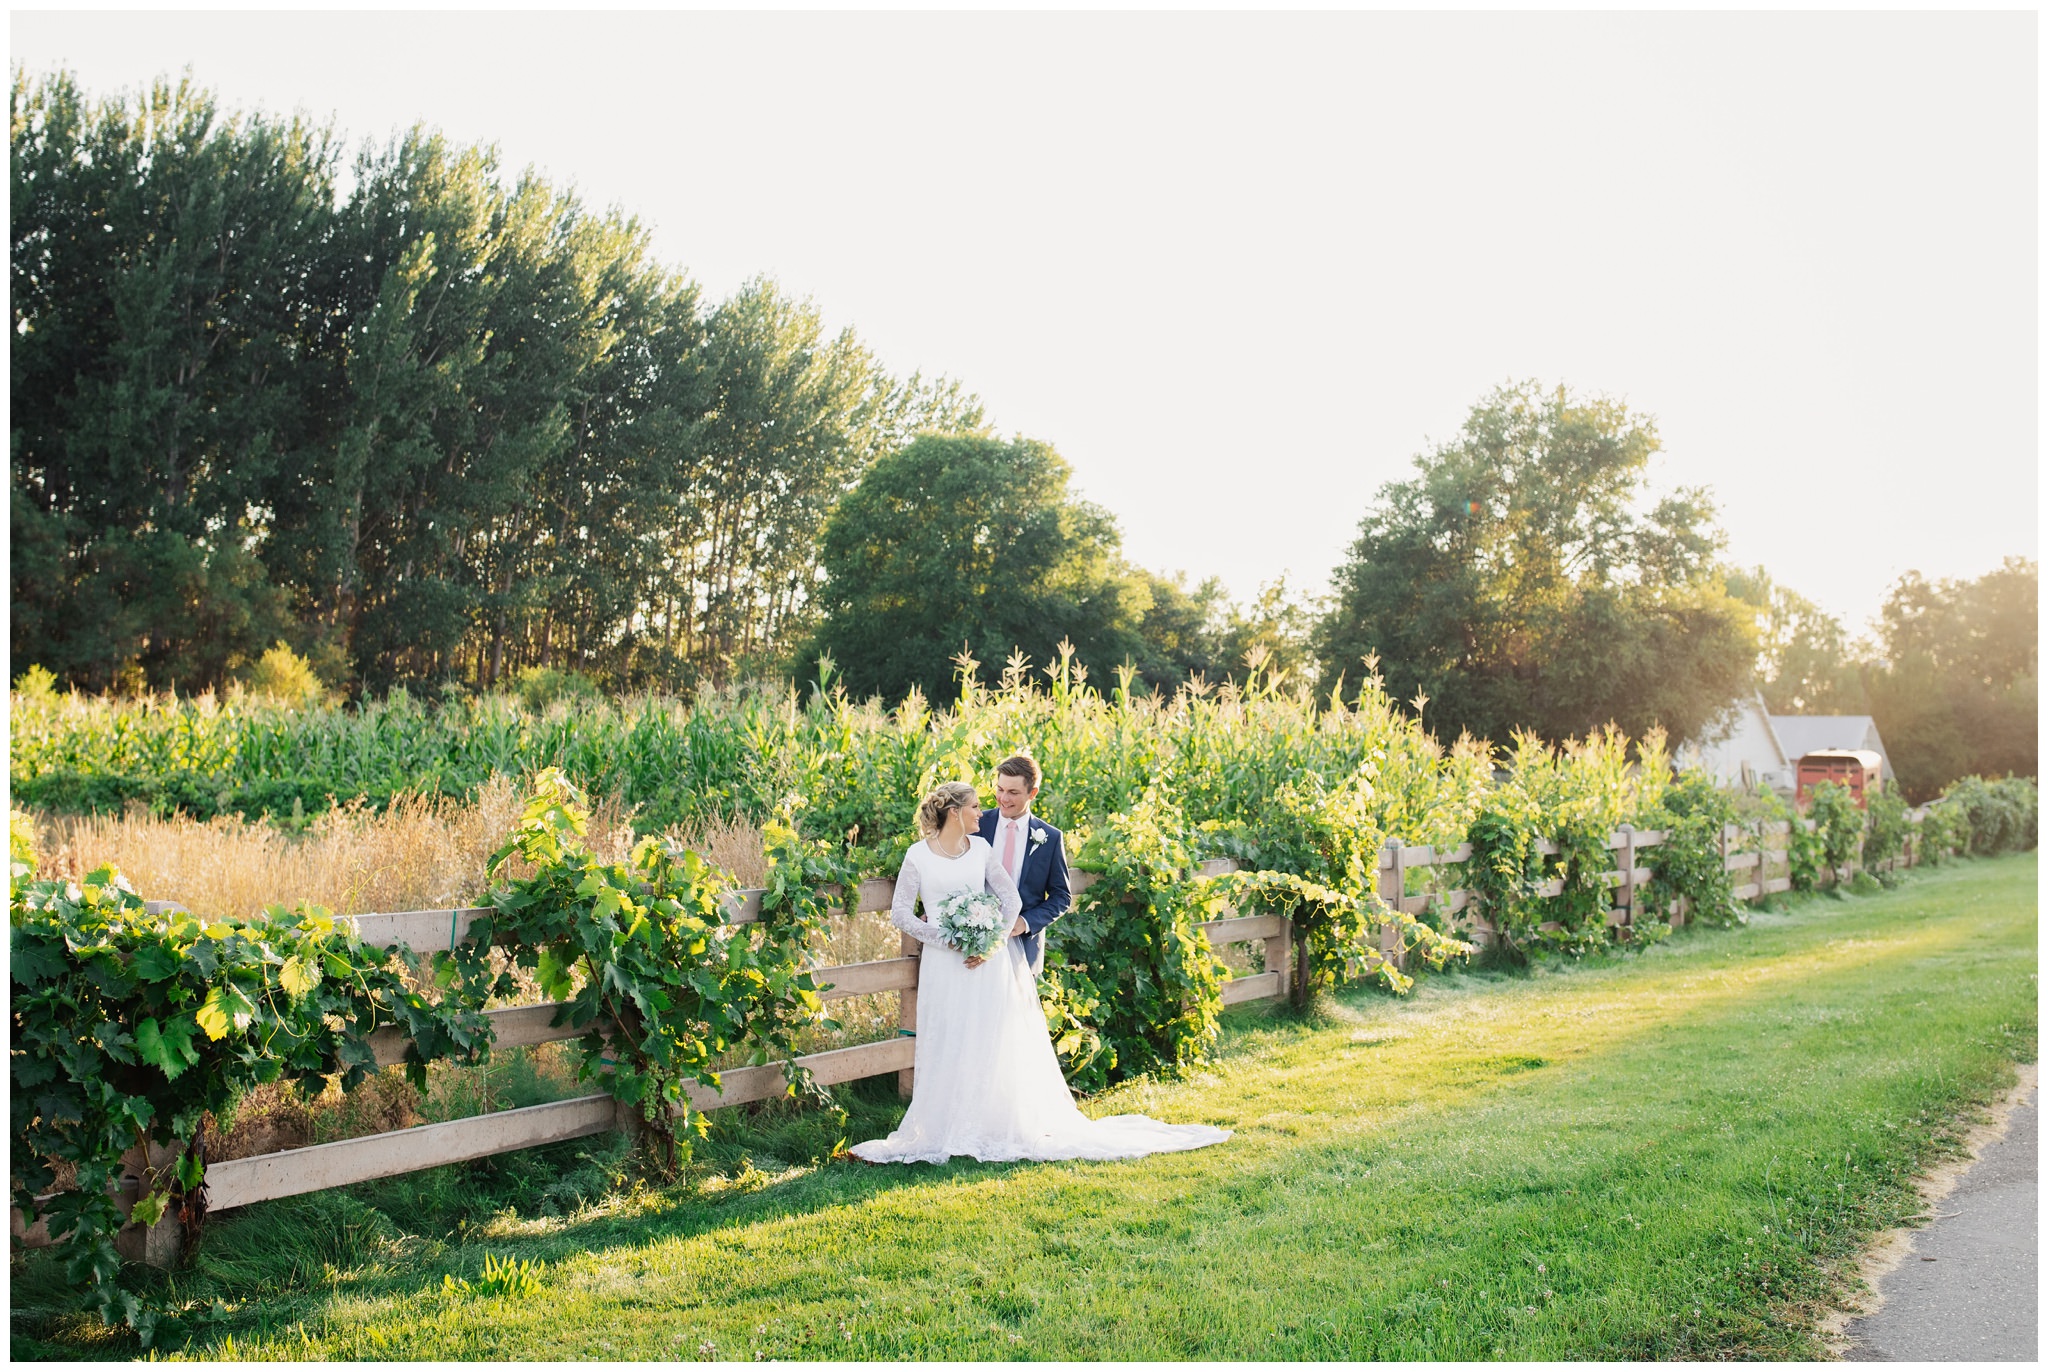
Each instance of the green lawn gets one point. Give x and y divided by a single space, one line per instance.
1669 1155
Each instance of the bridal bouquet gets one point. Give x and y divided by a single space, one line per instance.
972 921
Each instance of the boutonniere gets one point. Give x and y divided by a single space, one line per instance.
1038 836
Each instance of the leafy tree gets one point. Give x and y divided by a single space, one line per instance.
444 427
168 361
792 420
1517 581
1957 689
969 542
1205 633
1276 631
1179 632
1806 664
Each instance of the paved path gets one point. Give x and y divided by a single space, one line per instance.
1966 1290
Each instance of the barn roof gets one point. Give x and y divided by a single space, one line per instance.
1803 734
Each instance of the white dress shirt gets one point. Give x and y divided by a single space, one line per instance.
1023 823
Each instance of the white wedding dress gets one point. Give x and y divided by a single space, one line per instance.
988 1084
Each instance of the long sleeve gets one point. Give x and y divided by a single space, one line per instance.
903 909
1006 890
1059 897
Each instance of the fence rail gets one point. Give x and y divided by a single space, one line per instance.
295 1171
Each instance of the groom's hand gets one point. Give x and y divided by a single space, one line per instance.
1020 928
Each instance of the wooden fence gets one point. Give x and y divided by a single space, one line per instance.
1414 876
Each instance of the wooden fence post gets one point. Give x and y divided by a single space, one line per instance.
157 1245
906 1078
1628 876
1299 978
1397 882
1278 954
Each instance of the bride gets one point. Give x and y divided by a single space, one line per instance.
988 1084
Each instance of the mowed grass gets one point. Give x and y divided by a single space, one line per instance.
1670 1155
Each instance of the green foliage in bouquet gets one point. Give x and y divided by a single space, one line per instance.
1132 963
130 1027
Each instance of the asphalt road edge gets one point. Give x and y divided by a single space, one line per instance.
1894 1246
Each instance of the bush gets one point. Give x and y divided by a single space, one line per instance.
21 844
1886 827
1944 832
540 687
283 676
37 683
1132 966
1315 849
1994 816
183 1018
1838 824
1688 862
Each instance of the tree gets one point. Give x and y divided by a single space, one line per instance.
1179 632
1276 631
1806 664
969 542
167 367
1518 582
442 427
792 420
1958 686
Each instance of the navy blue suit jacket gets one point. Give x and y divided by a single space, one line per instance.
1041 880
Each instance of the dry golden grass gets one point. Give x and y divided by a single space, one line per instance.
731 845
421 852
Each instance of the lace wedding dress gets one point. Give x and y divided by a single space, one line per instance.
988 1084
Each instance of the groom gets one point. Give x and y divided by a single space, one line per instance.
1031 852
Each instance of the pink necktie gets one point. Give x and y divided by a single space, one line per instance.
1010 850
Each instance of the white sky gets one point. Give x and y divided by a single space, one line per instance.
1239 269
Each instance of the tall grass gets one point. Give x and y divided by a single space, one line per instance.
416 852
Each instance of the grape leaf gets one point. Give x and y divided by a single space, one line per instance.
553 973
298 976
150 1208
226 1007
35 959
168 1048
157 962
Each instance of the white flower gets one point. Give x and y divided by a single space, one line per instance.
1038 836
972 921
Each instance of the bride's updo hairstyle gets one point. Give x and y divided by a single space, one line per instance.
931 814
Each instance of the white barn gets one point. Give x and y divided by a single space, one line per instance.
1748 754
1758 749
